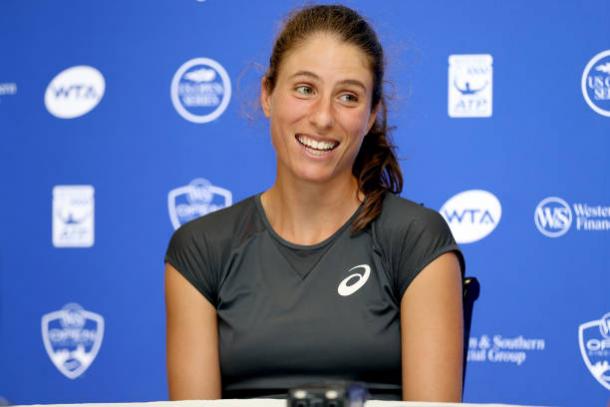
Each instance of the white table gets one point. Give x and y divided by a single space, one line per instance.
264 403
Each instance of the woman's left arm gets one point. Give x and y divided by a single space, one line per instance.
431 320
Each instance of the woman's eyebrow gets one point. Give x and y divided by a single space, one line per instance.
312 75
305 73
352 82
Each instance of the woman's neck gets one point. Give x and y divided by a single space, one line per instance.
307 213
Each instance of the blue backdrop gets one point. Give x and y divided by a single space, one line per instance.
121 120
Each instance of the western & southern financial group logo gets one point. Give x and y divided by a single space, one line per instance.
470 85
73 216
594 341
472 215
501 349
554 217
595 83
72 338
196 199
7 89
201 90
74 92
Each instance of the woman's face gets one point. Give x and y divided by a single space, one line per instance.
320 109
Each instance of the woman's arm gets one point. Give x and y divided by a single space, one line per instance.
193 367
431 320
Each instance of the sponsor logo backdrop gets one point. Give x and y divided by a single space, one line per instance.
120 121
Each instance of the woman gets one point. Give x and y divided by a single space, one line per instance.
328 274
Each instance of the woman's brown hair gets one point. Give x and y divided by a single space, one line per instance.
376 167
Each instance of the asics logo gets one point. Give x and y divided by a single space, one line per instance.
357 279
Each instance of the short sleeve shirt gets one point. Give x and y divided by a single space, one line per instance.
290 314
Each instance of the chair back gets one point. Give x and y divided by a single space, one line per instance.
471 291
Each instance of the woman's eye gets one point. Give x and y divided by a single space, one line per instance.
349 97
304 90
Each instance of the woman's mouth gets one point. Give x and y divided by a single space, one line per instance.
316 147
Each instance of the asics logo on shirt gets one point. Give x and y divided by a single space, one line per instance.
357 280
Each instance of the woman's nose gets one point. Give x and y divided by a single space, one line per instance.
322 114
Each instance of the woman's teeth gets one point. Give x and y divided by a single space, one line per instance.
316 145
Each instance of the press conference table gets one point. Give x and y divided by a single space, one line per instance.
265 403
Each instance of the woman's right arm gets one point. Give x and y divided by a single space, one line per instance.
193 366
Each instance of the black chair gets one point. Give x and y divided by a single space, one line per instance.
471 290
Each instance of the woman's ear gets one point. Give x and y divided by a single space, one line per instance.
265 97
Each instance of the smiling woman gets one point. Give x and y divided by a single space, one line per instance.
328 274
320 109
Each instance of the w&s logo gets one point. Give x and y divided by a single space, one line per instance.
72 338
553 217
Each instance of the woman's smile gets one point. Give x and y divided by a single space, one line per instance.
317 147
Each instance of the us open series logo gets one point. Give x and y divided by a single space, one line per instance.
201 90
196 199
595 83
72 337
594 342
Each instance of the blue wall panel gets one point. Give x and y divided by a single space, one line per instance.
542 140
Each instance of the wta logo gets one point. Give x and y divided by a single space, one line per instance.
472 215
553 217
74 92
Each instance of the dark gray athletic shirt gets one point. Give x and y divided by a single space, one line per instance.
288 314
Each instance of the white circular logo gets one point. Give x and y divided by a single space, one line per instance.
74 92
553 217
358 281
472 215
595 83
201 90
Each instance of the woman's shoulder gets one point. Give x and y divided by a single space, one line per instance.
410 236
222 225
402 215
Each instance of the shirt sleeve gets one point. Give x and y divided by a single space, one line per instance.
188 253
426 238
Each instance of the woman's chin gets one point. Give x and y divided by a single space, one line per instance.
319 175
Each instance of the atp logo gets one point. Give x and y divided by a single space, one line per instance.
196 199
73 216
594 342
470 85
553 217
72 338
472 215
